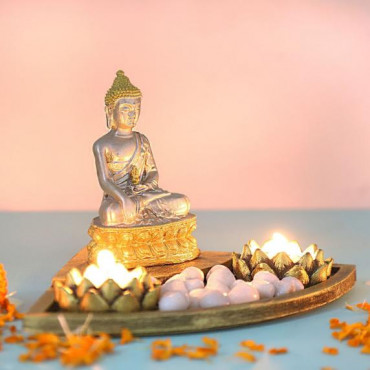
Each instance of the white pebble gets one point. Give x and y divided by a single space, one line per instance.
213 298
175 277
267 276
192 284
298 285
237 282
265 289
214 268
195 297
217 285
173 301
224 276
173 286
192 273
243 294
284 287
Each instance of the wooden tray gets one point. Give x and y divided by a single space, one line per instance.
43 316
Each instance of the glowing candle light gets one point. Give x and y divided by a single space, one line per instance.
279 243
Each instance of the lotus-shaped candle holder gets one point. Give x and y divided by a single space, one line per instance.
282 258
107 286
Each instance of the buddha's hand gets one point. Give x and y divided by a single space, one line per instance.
140 188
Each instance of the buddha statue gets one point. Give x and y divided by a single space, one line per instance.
126 169
140 223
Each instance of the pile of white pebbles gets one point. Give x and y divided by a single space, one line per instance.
187 290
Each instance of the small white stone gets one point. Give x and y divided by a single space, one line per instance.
214 268
284 287
195 297
192 284
266 276
175 277
265 289
217 285
243 294
225 276
173 286
192 273
237 282
213 298
297 283
173 301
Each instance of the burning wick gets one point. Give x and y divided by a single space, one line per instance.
107 268
279 243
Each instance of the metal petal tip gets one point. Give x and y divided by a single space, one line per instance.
319 260
259 257
66 298
319 275
84 286
246 253
151 298
329 263
110 290
299 273
306 261
262 267
92 301
241 270
127 302
136 287
282 263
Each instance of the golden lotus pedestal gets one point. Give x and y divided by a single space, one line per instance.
160 244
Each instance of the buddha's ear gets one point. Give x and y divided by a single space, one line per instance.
109 117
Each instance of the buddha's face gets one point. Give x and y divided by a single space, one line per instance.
126 112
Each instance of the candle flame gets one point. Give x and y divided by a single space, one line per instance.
105 259
279 243
95 275
108 268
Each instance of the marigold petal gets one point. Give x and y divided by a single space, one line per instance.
330 350
278 351
246 356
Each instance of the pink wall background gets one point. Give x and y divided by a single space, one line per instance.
247 104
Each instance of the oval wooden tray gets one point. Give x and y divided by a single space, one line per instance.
43 316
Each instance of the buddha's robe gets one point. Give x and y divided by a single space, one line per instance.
153 204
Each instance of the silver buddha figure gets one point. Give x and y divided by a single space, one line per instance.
126 168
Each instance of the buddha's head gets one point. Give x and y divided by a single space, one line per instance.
122 103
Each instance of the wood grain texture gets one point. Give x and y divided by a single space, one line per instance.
43 315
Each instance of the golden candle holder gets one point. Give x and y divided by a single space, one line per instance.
107 286
282 258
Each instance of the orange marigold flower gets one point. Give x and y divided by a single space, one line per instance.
278 351
8 311
354 342
161 349
3 287
250 344
366 349
335 323
126 336
14 339
364 306
246 356
330 350
211 343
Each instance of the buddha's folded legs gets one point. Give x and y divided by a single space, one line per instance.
112 213
161 204
172 205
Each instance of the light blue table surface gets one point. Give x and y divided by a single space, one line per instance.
35 245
